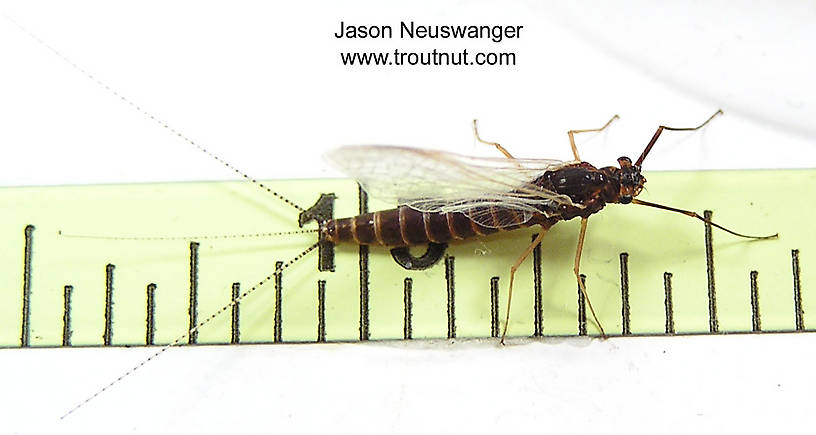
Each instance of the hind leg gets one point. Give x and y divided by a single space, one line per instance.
577 270
513 270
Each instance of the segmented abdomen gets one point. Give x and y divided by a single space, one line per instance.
405 226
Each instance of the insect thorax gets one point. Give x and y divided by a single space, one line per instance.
588 187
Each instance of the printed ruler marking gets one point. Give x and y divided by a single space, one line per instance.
66 315
797 291
364 270
321 311
107 336
192 310
25 335
150 318
449 280
667 288
494 307
538 305
582 320
364 282
235 325
408 306
624 279
713 323
278 322
756 324
323 209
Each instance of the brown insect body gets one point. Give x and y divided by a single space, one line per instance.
447 197
589 188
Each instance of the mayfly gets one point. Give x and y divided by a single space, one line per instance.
447 197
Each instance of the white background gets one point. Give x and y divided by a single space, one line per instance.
262 85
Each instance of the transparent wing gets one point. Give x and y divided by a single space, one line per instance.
436 181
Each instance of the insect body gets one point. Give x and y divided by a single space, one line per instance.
579 190
447 197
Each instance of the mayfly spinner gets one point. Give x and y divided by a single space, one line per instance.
447 197
443 198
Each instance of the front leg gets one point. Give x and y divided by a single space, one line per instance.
571 135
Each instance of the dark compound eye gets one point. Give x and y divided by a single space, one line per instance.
625 199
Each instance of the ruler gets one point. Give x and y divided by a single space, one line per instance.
647 271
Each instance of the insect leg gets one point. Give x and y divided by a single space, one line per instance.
571 135
577 270
513 274
495 144
663 127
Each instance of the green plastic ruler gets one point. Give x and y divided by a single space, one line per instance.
647 270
